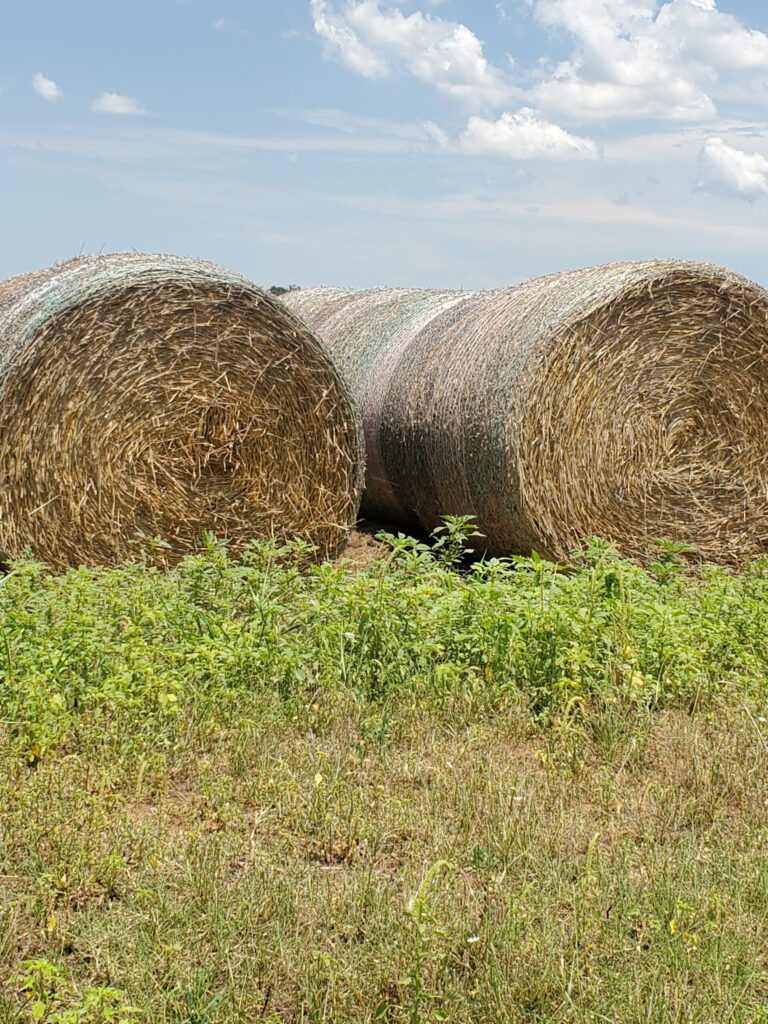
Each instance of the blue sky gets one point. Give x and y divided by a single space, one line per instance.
456 143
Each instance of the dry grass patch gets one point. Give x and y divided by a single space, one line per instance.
453 875
256 790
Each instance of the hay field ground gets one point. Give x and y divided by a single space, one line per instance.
384 790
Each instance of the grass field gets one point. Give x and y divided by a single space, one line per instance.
257 791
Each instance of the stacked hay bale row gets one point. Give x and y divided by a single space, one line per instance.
628 401
153 396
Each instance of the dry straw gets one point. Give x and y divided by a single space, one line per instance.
628 401
157 397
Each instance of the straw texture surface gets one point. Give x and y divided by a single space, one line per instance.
628 401
157 397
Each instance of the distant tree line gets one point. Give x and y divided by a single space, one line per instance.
277 289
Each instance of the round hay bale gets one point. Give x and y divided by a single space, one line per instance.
370 331
151 397
627 401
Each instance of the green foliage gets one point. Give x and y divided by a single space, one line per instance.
419 1003
277 289
49 997
110 650
421 789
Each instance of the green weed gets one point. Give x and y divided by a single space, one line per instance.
420 789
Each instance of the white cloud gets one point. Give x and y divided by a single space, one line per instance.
671 60
639 59
114 103
378 43
435 132
725 169
716 39
46 88
525 136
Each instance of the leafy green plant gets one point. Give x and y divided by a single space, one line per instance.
49 997
108 650
451 540
420 1002
220 783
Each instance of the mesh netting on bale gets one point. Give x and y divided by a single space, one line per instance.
159 397
627 401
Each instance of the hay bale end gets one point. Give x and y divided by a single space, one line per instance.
151 396
627 401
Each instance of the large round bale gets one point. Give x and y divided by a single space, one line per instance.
370 332
148 397
627 401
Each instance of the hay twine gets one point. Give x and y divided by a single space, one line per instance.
628 401
151 396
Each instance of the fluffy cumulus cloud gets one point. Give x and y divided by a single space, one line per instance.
114 103
725 169
715 39
639 58
658 59
378 42
46 88
524 136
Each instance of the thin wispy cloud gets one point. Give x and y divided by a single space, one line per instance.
156 145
